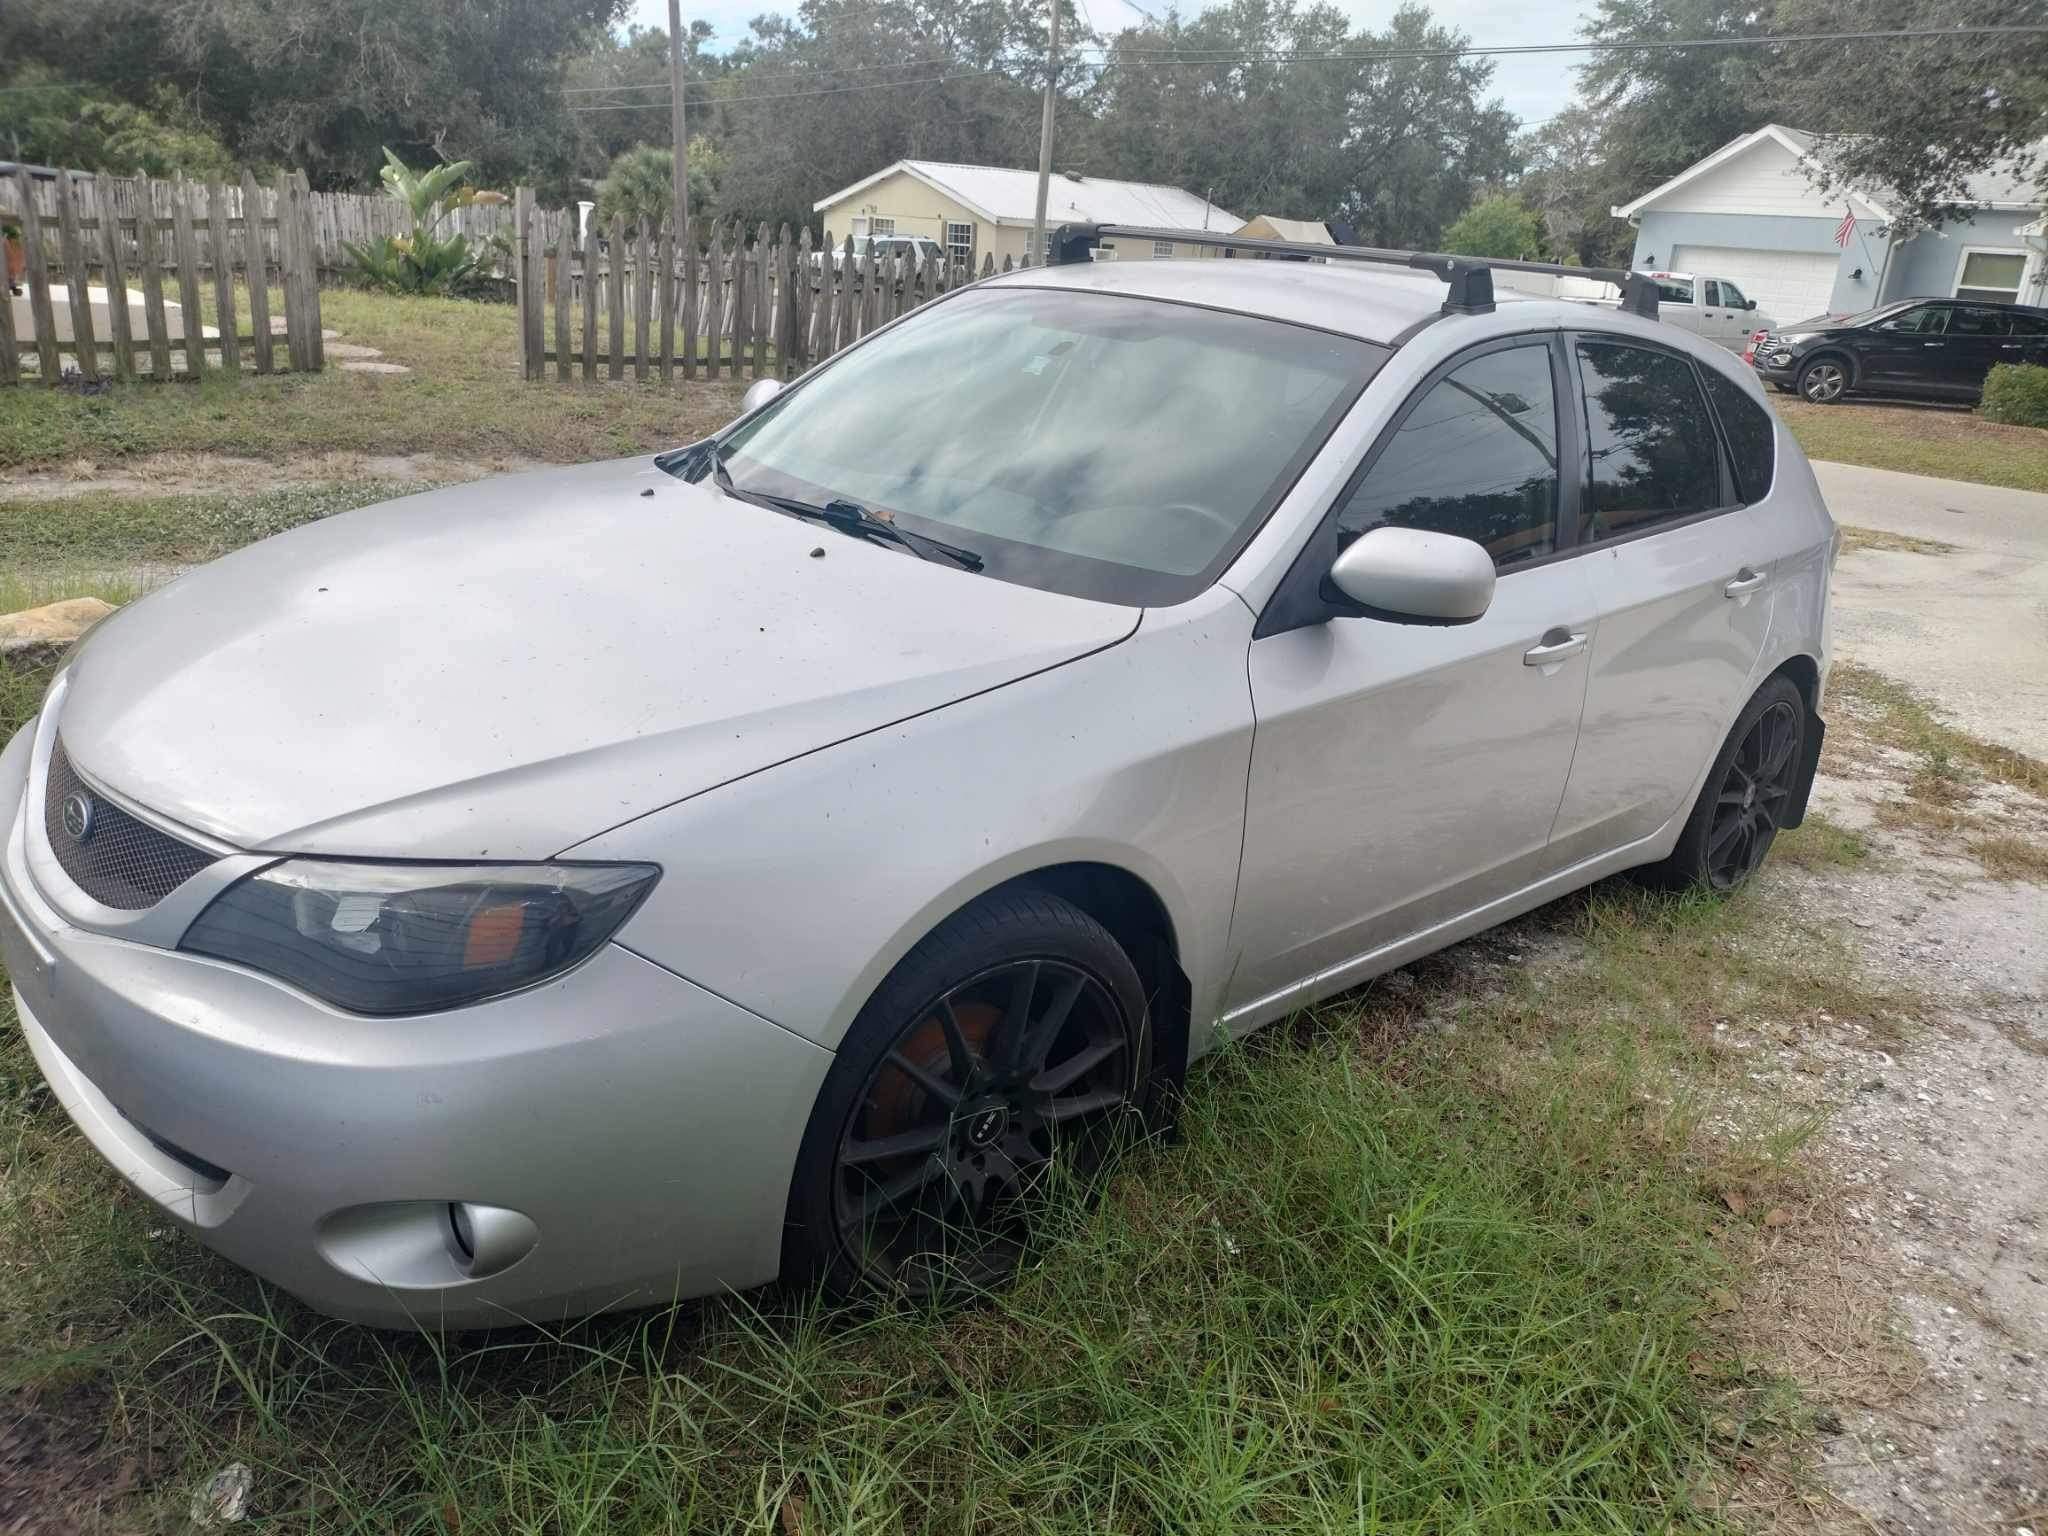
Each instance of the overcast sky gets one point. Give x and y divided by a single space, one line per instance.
1533 87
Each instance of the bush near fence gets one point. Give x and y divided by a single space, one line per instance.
2016 394
722 301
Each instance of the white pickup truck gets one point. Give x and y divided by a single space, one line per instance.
1710 307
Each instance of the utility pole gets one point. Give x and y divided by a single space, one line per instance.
679 134
1052 75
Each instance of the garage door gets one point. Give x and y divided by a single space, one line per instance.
1787 285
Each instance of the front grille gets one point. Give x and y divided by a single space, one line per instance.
122 862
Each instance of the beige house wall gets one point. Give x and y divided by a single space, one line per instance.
920 209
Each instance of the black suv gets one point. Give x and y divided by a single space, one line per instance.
1939 349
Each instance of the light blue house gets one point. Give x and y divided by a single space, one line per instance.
1749 212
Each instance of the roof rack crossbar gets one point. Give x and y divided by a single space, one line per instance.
1469 278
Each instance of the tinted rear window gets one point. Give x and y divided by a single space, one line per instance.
1752 438
1654 455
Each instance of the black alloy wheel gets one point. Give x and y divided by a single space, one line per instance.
995 1068
1755 794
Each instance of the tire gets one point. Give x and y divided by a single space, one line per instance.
1747 791
928 1154
1823 380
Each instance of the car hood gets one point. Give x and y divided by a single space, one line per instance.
1817 323
503 669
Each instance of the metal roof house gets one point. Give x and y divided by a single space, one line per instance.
1749 212
978 211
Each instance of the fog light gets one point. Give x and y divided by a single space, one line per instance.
1781 359
488 1238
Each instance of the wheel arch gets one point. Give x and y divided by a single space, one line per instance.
1830 353
1138 915
1803 672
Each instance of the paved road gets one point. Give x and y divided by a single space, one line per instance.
1968 629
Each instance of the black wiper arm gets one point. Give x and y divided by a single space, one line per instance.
851 517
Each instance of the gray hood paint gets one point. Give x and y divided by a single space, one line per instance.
504 669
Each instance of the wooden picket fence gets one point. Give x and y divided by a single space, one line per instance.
721 302
75 231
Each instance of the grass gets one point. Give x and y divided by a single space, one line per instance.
1454 1254
1819 843
1920 440
464 396
113 529
1894 715
1883 542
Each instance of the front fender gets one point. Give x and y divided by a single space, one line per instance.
794 891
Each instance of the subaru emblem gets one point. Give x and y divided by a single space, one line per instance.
78 815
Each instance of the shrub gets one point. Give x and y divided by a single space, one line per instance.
1498 226
641 185
424 261
2017 394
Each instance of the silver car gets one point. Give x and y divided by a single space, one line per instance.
770 858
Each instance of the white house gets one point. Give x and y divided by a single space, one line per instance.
977 211
1749 212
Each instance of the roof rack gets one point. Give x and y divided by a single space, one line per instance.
1470 277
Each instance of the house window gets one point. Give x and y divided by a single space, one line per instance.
960 245
1162 249
1991 276
881 226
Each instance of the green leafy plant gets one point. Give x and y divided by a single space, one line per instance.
1498 226
2016 394
641 185
425 261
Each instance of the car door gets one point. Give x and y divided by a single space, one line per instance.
1977 338
1742 317
1718 317
1681 580
1907 354
1405 773
2028 342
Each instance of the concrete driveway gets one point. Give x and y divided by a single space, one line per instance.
1967 628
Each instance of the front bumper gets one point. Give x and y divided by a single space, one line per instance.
643 1128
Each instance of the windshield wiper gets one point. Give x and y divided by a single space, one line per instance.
852 518
848 517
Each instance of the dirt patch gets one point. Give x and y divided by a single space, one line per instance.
60 1472
175 474
1937 1160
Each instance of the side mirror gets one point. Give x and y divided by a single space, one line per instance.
1750 304
758 394
1411 576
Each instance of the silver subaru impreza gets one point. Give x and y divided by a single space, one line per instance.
774 857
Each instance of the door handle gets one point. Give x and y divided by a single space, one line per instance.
1746 581
1930 343
2008 346
1555 646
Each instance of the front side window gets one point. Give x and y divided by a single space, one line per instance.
1927 320
1097 444
1476 456
1733 296
1674 290
1654 458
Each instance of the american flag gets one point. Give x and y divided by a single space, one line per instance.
1846 230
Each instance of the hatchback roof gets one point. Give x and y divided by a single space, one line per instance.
1372 303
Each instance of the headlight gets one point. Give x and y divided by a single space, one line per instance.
1791 338
414 938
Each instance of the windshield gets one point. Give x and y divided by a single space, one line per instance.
1095 444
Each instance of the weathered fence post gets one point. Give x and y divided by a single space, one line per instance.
77 279
564 257
115 263
256 273
223 278
192 329
589 306
615 296
688 235
643 300
522 280
665 297
38 276
149 256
